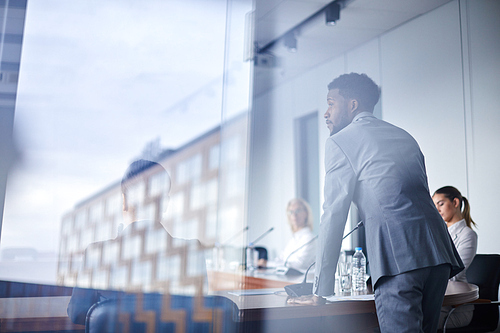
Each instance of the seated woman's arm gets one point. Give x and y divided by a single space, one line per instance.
466 244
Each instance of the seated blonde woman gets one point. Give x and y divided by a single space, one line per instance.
300 252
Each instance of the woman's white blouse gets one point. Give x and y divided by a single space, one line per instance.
304 257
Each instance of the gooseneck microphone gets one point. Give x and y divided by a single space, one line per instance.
300 247
360 224
305 288
251 244
233 237
284 270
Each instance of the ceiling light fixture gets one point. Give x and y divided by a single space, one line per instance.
290 42
332 13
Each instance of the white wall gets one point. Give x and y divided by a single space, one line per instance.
272 169
421 70
483 118
440 81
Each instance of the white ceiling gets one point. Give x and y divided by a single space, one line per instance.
360 21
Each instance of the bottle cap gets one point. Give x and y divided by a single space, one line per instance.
358 248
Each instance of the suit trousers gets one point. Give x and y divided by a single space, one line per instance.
411 301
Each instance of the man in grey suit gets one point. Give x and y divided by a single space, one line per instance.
380 168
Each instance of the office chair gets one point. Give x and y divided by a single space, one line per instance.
262 252
143 313
484 272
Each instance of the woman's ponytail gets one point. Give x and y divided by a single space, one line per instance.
466 213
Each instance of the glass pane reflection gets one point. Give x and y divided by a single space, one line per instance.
145 82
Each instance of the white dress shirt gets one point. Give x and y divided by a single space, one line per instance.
305 256
465 240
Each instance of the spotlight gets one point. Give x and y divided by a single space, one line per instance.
332 13
290 42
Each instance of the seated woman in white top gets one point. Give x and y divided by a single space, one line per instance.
449 202
300 252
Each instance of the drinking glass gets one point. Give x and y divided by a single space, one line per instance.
345 276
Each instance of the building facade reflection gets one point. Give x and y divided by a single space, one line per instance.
203 200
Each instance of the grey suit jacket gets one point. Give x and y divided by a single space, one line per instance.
380 168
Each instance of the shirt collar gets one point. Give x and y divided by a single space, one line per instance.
455 228
301 232
363 115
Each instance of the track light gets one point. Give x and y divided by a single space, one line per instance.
332 13
290 42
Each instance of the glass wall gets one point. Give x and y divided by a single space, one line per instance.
131 130
159 145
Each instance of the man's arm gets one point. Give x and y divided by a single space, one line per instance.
340 182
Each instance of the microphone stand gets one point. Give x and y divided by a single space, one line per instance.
305 288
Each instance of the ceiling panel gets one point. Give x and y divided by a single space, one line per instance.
406 6
275 17
283 17
360 21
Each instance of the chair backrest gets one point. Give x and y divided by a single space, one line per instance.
262 251
150 313
484 272
101 316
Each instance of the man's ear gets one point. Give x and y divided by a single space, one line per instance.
353 105
166 202
124 199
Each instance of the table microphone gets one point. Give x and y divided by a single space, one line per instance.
305 288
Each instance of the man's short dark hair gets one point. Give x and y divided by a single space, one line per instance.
135 170
359 87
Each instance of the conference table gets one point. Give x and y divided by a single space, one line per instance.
267 309
258 279
261 301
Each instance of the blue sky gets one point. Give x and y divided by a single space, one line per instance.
99 80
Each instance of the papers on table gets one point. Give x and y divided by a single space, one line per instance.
369 297
250 292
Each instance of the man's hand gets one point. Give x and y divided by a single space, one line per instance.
306 300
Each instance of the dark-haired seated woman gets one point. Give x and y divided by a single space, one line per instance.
455 210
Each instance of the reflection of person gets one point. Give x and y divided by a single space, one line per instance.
380 168
143 257
449 202
300 251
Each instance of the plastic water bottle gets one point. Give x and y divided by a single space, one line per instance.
358 271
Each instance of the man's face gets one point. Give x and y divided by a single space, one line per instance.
337 115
